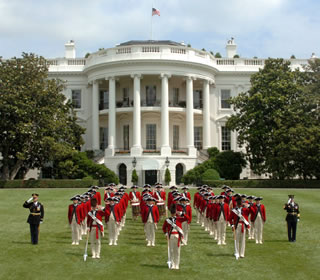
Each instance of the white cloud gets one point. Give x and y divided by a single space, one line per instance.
261 27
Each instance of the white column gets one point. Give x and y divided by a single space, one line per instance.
206 115
190 123
112 117
136 149
95 116
165 147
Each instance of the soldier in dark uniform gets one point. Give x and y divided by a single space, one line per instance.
35 217
293 216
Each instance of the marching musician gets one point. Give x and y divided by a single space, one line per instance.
75 218
293 216
112 219
221 217
258 218
35 217
172 228
160 197
239 222
135 198
150 217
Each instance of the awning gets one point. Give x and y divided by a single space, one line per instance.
150 164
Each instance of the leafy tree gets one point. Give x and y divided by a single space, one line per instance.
210 174
213 152
229 164
277 120
134 177
77 165
236 56
167 177
36 121
217 55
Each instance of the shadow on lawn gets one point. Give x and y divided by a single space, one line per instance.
219 255
157 266
276 241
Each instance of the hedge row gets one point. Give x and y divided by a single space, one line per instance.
288 184
47 183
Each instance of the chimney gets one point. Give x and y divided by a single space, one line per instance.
70 49
231 48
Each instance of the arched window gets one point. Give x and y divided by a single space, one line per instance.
179 173
123 174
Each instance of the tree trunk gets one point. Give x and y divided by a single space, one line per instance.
15 169
5 173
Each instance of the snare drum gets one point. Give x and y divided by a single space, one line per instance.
135 209
162 208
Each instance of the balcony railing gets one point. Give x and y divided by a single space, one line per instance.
148 103
104 106
124 104
181 104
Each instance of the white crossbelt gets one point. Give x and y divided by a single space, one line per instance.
174 226
238 213
95 219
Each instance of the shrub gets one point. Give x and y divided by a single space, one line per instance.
167 177
134 177
210 174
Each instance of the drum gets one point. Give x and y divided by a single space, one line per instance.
135 209
162 208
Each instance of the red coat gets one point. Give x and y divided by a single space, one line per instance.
195 199
187 195
138 196
168 229
99 214
117 212
235 220
98 197
254 212
107 195
203 205
155 214
159 196
218 210
170 198
78 213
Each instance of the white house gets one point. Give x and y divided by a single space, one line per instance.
150 105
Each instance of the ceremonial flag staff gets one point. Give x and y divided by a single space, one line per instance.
154 12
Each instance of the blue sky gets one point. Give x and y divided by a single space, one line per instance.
262 28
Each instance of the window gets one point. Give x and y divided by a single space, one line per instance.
76 98
225 139
197 101
176 137
151 95
125 92
225 96
104 100
175 97
126 137
198 137
103 138
151 136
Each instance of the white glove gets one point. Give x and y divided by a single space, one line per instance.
30 199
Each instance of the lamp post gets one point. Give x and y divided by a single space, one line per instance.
167 162
134 162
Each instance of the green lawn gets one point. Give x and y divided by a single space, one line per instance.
55 258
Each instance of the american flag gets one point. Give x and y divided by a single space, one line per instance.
155 12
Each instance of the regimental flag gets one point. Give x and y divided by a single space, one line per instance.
155 12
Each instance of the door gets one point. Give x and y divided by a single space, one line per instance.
123 174
179 173
151 177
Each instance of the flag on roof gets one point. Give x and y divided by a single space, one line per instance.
155 12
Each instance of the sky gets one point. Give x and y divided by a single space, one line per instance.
262 28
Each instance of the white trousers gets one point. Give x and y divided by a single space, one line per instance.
112 229
221 230
174 251
240 243
185 229
84 226
75 231
95 243
150 231
258 226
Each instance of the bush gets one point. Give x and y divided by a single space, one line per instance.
167 177
217 55
287 184
230 164
47 183
134 177
210 174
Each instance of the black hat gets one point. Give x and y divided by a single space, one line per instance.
74 198
110 198
207 194
35 194
158 186
250 196
112 184
108 188
150 198
204 186
134 187
224 187
229 190
185 188
244 196
147 186
259 198
177 198
237 194
173 188
291 195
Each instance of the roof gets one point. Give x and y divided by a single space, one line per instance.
150 42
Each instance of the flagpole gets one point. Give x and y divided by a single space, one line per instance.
151 20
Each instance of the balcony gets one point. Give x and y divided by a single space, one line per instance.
150 103
104 106
180 104
124 104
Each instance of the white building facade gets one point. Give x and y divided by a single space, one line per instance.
152 105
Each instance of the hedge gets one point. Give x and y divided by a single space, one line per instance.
288 184
48 183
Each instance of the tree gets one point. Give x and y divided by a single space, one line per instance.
213 152
36 121
134 177
277 120
229 164
210 174
167 177
217 55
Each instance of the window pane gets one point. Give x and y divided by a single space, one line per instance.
175 97
76 98
151 95
176 137
126 137
198 137
104 100
151 136
225 96
103 138
225 139
125 97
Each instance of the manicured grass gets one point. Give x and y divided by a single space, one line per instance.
55 258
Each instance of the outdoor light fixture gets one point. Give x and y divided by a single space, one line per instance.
167 162
134 162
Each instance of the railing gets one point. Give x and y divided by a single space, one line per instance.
76 62
151 49
122 151
146 103
179 51
123 50
180 151
253 62
52 62
124 104
181 104
225 61
104 106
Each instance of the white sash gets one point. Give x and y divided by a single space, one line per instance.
95 219
238 213
174 226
